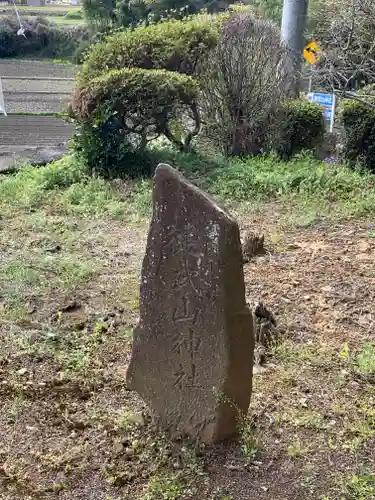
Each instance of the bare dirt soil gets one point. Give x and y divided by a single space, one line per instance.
48 93
28 68
70 429
33 131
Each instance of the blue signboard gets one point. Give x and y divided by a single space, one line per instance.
328 114
328 103
320 98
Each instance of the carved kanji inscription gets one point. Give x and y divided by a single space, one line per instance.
194 341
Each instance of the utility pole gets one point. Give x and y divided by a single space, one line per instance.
292 33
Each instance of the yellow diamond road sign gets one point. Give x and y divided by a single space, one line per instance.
311 52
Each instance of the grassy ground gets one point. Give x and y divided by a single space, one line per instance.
71 251
65 21
61 20
47 8
53 13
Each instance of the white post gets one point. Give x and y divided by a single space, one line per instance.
333 111
2 104
310 82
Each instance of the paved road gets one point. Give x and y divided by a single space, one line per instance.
33 131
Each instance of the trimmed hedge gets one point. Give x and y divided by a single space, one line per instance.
121 110
358 120
301 126
173 45
152 93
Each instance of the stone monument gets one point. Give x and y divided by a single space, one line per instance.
193 347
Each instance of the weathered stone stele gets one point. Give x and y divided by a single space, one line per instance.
193 347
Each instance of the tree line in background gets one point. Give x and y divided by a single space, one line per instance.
106 14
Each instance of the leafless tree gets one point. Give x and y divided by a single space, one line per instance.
245 80
346 32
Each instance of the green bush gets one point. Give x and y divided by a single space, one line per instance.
120 111
358 119
173 45
105 151
74 14
81 50
301 126
42 38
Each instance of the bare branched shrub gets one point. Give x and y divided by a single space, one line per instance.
243 85
346 32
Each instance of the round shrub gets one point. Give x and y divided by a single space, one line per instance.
121 111
358 120
301 126
151 94
173 45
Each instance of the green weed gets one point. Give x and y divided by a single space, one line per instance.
360 487
164 488
99 329
76 361
303 175
18 405
126 333
359 430
70 270
296 449
19 272
141 199
94 197
309 419
250 441
15 278
129 291
128 420
365 360
313 187
31 186
13 307
284 352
